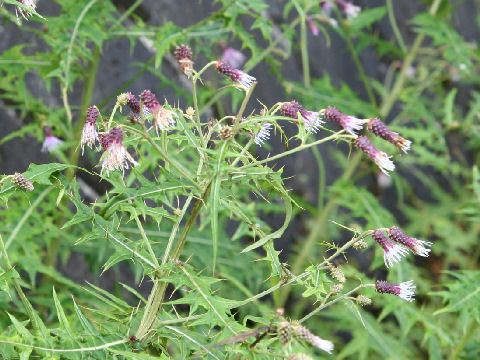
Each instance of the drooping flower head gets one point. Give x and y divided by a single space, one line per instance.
237 76
264 134
303 333
116 157
89 132
163 118
32 4
405 290
418 247
392 253
233 57
348 8
379 157
311 119
134 104
184 57
349 123
22 182
51 142
377 127
312 26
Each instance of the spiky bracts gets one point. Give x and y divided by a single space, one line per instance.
163 118
350 123
116 156
22 182
379 157
377 127
311 119
405 290
392 253
237 76
418 247
89 131
184 57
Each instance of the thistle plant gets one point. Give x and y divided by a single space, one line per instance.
190 201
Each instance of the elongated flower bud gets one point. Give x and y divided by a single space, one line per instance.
184 57
377 127
89 131
311 119
302 333
418 247
349 123
405 290
237 76
392 253
22 182
379 157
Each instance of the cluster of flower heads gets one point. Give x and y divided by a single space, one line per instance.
115 156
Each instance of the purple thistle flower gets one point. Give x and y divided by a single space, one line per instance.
311 120
405 290
377 127
51 142
163 118
115 154
134 105
418 247
237 76
184 57
392 253
349 123
89 132
312 26
264 134
233 57
32 4
379 157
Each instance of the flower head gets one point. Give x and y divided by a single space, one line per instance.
134 104
405 290
349 123
350 10
312 26
32 4
163 118
392 253
184 57
418 247
264 134
233 57
51 142
301 332
311 119
237 76
115 156
337 273
377 127
89 132
379 157
22 182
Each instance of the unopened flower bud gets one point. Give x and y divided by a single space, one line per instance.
363 300
22 182
336 288
123 98
284 332
190 111
226 133
360 244
337 273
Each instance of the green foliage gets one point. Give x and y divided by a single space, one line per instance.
200 218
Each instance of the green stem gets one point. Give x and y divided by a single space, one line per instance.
238 119
197 112
463 341
145 238
396 30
